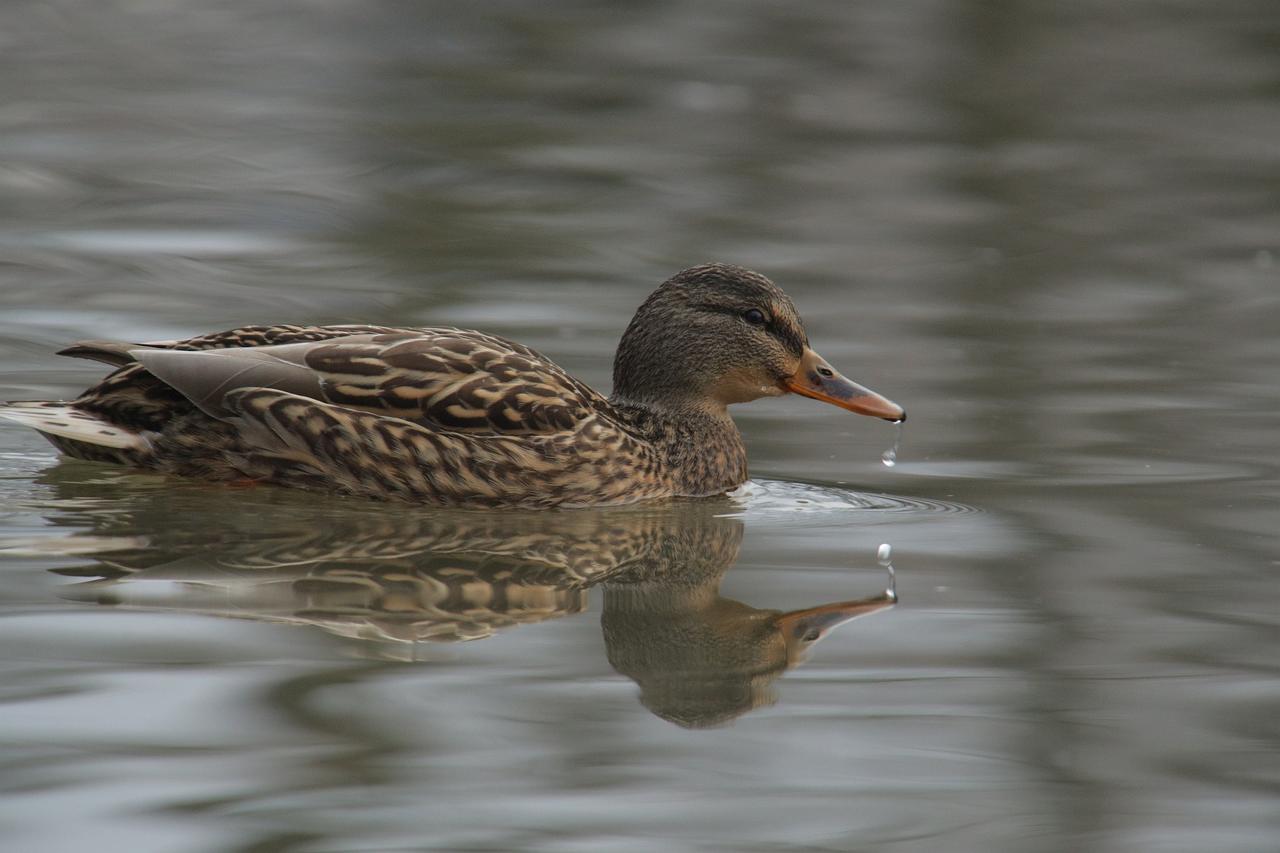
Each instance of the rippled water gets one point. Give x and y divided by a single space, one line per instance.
1049 231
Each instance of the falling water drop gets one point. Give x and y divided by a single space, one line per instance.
890 456
884 556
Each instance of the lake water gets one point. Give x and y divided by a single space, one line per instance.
1050 231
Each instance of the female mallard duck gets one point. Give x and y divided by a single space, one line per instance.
454 417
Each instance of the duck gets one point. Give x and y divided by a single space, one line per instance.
444 416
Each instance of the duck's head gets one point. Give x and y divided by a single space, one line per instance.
718 334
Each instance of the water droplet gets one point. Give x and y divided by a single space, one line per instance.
884 556
890 456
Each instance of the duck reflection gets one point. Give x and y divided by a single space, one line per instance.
392 580
701 659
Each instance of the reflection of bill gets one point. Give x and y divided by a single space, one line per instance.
396 579
702 660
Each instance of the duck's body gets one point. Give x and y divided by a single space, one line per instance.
451 416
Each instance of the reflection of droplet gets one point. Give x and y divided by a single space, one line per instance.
890 456
884 556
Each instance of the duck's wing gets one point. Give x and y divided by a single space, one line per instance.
450 379
455 379
118 352
133 398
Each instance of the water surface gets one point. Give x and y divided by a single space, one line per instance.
1050 232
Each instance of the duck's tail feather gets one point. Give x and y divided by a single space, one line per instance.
115 353
73 427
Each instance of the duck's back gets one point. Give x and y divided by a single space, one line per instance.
445 378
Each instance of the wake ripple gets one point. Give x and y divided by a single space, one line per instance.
770 497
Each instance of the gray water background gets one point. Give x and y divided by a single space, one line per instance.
1051 231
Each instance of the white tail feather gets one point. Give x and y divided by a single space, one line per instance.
62 420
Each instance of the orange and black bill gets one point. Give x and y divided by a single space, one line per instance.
819 380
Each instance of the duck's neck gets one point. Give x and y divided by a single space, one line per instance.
700 447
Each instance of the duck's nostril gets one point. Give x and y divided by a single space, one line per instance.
826 371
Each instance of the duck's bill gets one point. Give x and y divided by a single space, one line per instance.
819 380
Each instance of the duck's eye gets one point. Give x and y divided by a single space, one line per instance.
755 317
